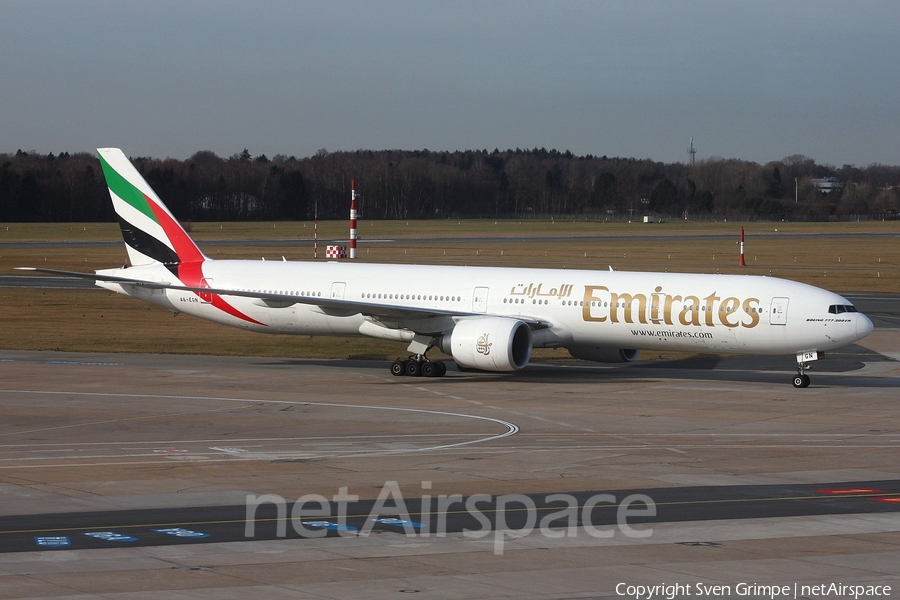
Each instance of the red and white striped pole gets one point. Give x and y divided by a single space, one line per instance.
316 230
353 218
743 264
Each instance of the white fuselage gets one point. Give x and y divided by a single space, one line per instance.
718 313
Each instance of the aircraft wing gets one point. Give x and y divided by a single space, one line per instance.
331 306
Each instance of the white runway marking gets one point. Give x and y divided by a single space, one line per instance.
223 447
232 440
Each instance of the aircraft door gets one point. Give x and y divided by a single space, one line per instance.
778 314
205 297
337 290
479 300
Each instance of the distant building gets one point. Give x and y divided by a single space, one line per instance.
826 185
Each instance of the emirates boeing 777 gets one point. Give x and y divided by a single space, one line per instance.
486 318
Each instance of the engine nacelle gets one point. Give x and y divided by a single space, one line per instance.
489 344
604 355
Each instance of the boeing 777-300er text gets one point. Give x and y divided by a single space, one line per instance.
486 318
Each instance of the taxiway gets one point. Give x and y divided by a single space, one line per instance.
143 463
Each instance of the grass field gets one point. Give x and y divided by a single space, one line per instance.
96 320
438 228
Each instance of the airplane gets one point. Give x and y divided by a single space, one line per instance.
485 318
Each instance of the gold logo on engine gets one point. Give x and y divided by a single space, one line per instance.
483 345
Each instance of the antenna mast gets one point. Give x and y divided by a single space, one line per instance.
692 152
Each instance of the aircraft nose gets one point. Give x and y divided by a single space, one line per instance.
863 326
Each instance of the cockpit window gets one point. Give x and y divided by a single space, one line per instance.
837 309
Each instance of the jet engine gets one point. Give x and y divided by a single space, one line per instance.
604 355
489 344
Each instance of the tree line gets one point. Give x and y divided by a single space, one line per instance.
400 184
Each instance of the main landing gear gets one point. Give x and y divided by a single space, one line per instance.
418 366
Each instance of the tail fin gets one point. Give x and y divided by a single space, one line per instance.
150 231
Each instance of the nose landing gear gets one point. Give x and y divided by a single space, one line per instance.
801 379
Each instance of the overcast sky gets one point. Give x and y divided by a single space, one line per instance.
754 80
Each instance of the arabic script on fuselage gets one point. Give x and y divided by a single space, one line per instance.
532 291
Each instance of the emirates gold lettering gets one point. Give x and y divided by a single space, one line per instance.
654 305
710 302
629 304
601 305
751 307
667 312
589 300
690 314
728 311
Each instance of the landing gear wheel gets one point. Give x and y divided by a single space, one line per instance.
413 369
801 380
429 369
441 369
398 368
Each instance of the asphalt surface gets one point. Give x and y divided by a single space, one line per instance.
143 465
46 282
418 516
